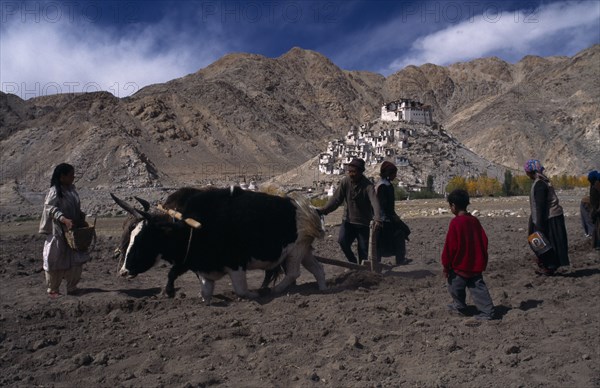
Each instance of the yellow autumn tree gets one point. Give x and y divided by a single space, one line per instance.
457 182
472 186
488 186
582 181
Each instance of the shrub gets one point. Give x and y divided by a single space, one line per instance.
424 194
399 193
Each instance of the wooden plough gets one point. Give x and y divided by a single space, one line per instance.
346 264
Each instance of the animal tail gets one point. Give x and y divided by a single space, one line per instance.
308 222
272 275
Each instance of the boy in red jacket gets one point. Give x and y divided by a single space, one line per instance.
465 258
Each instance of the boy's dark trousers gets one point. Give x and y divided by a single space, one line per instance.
457 286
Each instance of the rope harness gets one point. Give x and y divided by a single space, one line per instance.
187 252
119 253
189 244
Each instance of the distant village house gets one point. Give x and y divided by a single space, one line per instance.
374 147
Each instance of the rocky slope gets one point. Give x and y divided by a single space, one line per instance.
539 107
248 115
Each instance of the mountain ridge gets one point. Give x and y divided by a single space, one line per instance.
249 115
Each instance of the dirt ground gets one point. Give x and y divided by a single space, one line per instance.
366 330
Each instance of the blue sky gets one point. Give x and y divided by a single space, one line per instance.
49 47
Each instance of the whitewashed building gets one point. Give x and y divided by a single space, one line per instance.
376 146
407 110
362 143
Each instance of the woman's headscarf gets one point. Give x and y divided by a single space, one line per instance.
533 165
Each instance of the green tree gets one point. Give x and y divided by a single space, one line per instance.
399 193
424 194
522 185
507 185
430 183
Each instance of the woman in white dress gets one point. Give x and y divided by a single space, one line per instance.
62 208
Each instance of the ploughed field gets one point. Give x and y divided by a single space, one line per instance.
366 330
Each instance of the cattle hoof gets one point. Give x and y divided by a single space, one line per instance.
264 291
169 293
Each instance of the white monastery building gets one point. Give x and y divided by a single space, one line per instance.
407 110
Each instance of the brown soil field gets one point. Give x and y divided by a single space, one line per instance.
366 330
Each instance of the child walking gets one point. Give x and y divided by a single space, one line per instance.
465 257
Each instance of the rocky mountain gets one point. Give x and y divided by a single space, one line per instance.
248 115
547 108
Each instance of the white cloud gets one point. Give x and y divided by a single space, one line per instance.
47 58
39 58
560 25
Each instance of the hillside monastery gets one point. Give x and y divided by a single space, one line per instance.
374 147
